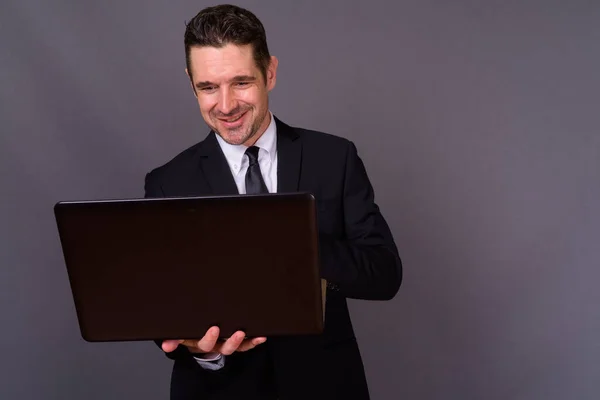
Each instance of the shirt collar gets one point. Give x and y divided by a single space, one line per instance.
266 142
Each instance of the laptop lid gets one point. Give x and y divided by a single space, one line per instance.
170 268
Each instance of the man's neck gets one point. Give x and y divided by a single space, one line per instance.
263 128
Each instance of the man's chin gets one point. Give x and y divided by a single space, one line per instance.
233 138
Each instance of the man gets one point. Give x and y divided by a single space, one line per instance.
249 150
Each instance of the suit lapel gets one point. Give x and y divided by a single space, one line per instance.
214 167
289 157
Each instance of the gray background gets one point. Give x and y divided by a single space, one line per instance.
479 125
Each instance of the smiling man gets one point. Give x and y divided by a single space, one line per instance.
250 151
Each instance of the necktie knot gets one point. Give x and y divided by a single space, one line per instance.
254 180
252 153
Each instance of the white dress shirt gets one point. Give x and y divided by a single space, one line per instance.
238 163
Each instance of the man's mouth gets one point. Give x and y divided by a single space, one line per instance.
232 119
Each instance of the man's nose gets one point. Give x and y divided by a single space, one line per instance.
227 101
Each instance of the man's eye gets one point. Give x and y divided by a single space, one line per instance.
242 84
208 88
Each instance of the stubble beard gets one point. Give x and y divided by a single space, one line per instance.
238 139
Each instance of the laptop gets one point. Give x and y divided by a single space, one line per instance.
170 268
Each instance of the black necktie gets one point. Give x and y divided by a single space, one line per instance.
254 180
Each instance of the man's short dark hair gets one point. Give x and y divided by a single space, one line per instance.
225 24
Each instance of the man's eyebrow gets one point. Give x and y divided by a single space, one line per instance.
202 84
243 78
238 78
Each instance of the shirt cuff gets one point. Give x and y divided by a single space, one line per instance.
212 363
203 357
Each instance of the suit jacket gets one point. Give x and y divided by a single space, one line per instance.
359 259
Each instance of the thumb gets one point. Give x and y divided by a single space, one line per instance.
170 345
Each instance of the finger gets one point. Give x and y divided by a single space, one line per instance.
232 343
208 342
170 345
250 344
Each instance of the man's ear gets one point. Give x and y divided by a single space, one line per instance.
191 83
272 73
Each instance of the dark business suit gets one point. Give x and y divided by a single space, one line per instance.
358 256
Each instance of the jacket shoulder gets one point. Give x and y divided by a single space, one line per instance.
182 161
323 139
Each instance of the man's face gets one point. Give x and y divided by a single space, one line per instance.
231 91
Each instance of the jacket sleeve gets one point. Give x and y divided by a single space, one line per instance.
364 264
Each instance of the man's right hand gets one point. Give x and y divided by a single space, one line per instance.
210 345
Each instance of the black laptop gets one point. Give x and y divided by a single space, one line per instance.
170 268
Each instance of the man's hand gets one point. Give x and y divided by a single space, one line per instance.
210 345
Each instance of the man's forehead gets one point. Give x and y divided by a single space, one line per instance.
230 60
